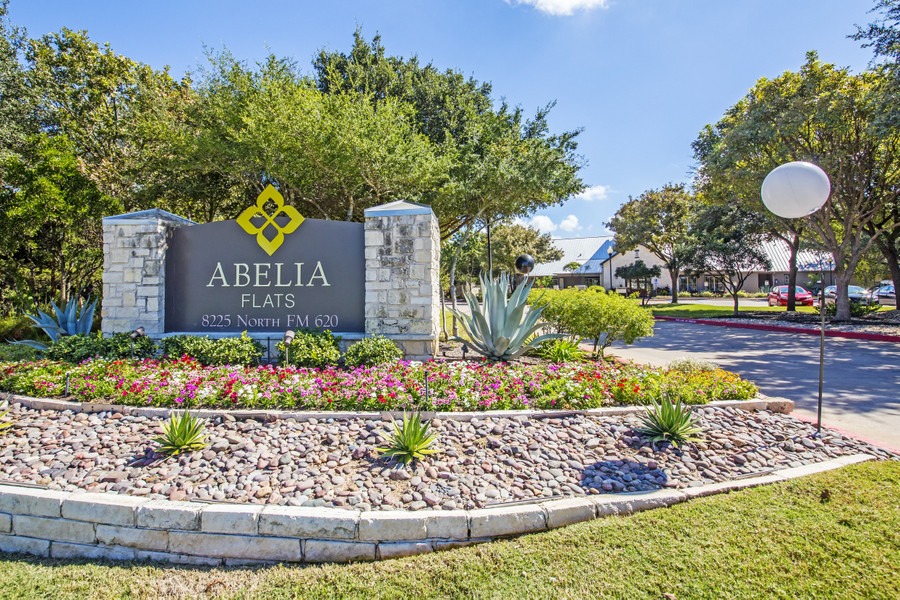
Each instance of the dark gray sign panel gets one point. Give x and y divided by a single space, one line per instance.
219 278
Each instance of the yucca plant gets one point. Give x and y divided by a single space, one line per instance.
4 425
66 322
499 329
410 441
670 422
185 433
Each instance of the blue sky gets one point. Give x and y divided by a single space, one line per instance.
642 77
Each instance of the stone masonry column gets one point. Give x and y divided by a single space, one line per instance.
134 270
403 254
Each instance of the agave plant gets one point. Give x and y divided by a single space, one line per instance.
5 424
669 422
409 441
500 330
66 322
186 433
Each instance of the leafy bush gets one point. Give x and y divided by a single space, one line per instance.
77 348
372 351
17 352
603 318
599 289
669 422
684 294
409 441
857 309
186 433
17 328
707 294
560 351
499 329
242 350
692 365
310 349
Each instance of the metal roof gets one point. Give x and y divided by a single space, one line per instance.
779 253
590 252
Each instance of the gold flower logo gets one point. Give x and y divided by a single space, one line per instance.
270 246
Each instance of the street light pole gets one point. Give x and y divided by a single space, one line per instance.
792 191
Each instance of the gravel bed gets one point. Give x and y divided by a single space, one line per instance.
333 462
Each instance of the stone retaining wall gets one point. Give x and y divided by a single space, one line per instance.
58 524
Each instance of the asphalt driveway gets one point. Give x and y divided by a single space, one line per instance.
862 378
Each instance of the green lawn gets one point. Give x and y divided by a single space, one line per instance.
834 535
700 311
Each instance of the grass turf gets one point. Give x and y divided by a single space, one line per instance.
699 311
789 540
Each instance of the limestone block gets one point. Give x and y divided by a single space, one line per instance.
101 508
5 523
308 522
511 520
630 503
566 512
164 514
225 518
400 549
28 501
24 545
391 525
143 539
66 550
329 551
235 546
373 238
54 529
183 559
446 524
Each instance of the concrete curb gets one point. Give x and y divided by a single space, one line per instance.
779 405
55 524
853 335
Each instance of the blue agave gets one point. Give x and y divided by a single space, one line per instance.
500 330
67 322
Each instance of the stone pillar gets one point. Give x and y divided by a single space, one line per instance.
134 270
403 255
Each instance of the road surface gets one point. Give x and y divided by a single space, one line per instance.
862 378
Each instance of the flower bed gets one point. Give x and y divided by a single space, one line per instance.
452 385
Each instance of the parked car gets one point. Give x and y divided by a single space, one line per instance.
885 295
779 296
856 293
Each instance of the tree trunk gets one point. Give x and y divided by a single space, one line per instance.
673 275
842 298
443 316
892 256
792 274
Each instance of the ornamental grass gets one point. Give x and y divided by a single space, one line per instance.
454 385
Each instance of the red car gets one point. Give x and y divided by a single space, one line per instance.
779 296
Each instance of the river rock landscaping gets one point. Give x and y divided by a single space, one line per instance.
334 462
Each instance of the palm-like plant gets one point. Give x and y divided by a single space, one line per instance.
409 441
670 422
186 433
66 322
500 329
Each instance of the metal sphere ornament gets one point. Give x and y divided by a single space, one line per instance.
525 264
795 189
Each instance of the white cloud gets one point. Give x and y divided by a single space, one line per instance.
563 7
594 193
570 223
543 223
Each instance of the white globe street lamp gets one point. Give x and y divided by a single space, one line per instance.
795 190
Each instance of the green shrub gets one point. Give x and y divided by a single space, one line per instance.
310 349
603 318
16 352
669 422
599 289
186 433
707 294
742 294
409 441
242 350
857 309
18 328
560 351
77 348
372 351
684 294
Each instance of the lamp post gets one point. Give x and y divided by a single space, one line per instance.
792 191
287 340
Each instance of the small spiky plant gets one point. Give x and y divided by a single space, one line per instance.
7 424
670 422
185 433
410 441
